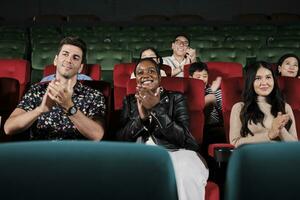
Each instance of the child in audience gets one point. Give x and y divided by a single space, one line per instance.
288 65
213 95
263 115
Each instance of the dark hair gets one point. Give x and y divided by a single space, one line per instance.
282 59
183 35
157 67
160 61
76 41
250 111
197 66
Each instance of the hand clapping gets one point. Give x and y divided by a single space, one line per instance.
278 123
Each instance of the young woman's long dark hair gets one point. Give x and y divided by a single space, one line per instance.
251 112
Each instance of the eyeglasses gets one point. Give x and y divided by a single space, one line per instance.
179 42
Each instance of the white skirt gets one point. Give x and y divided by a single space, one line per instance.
191 174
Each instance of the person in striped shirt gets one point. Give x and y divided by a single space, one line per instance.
213 95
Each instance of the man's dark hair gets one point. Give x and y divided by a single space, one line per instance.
197 66
183 35
76 41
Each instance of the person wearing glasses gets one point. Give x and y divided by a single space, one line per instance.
183 54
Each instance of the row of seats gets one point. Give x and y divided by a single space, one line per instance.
187 86
18 69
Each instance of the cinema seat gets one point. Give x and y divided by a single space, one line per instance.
223 69
9 98
107 59
231 93
17 69
264 171
224 55
85 170
290 87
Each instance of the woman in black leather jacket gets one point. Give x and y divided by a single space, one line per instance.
160 117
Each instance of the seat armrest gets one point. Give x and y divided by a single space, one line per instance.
220 151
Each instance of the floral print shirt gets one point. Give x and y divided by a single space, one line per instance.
55 124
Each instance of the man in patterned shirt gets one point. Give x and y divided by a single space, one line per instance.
62 108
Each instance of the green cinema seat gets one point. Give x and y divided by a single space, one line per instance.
224 55
77 170
264 171
272 54
107 59
40 57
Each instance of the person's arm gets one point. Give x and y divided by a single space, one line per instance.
175 129
291 134
235 127
132 126
20 119
90 128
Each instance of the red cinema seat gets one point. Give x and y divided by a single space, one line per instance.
194 90
17 69
121 74
223 69
231 93
92 70
290 90
9 98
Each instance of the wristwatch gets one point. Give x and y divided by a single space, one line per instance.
72 110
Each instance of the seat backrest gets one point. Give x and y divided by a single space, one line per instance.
194 91
121 74
272 54
9 98
223 69
17 69
86 170
92 70
254 171
290 87
107 59
225 55
231 93
105 88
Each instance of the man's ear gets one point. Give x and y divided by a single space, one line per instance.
81 68
55 60
279 69
190 76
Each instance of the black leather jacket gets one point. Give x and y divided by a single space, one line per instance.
168 127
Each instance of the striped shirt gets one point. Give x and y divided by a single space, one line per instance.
216 113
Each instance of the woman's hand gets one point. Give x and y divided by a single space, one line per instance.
278 123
